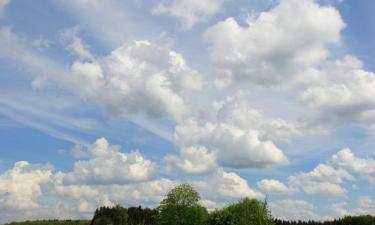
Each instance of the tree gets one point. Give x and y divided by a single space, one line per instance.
141 216
250 212
180 207
116 215
220 217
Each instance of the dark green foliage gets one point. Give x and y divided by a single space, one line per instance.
250 212
245 212
220 217
141 216
181 207
110 215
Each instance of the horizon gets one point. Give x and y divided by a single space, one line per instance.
116 102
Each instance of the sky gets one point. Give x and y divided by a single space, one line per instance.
116 102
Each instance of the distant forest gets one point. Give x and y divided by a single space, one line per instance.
181 207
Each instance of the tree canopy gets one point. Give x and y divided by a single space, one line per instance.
180 207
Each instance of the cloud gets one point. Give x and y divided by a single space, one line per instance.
106 177
365 206
326 178
112 22
192 160
22 53
140 78
239 137
74 44
274 186
3 3
322 180
229 187
274 47
21 186
189 12
290 209
107 165
347 79
346 159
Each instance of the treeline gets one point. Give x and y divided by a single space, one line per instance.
347 220
181 207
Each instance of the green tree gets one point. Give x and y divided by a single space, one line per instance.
250 212
220 217
180 207
116 215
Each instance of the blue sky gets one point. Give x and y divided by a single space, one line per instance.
105 102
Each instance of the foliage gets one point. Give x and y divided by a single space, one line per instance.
183 195
110 215
220 217
181 207
141 216
245 212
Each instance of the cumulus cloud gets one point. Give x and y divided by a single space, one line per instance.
275 50
274 47
140 78
192 160
21 186
239 136
346 159
365 206
31 191
322 180
189 12
274 186
344 92
229 187
106 164
326 178
290 209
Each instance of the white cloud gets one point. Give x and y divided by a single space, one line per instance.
192 160
240 137
327 178
21 52
346 159
274 186
233 147
274 47
74 44
365 206
3 3
223 187
107 165
343 94
140 78
290 209
111 22
189 12
322 180
21 186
